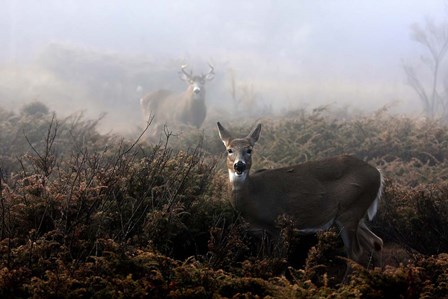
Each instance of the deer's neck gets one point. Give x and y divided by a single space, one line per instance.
192 110
240 186
238 182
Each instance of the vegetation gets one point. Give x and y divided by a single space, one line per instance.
432 93
85 215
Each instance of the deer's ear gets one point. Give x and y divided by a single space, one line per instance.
255 134
224 134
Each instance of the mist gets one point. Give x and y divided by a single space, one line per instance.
269 56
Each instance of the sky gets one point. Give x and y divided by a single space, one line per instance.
292 52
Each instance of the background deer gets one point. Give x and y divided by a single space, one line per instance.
317 194
171 109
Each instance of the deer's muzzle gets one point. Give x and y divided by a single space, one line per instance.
239 167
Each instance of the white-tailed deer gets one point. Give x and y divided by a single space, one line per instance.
173 110
315 194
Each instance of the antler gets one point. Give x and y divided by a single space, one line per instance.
212 69
189 75
210 73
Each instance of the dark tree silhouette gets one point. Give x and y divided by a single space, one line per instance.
434 39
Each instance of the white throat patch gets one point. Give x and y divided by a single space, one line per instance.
237 179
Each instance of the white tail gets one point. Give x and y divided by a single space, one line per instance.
371 212
316 194
171 109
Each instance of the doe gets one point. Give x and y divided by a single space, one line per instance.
315 194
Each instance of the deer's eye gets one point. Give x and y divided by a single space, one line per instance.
230 151
249 151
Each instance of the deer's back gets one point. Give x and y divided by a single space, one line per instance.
173 109
326 186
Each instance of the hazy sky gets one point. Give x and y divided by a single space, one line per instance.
311 49
277 29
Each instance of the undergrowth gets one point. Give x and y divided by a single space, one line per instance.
85 215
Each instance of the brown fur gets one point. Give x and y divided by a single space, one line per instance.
176 110
315 194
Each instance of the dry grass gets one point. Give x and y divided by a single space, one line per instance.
90 215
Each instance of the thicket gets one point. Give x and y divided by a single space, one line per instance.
88 215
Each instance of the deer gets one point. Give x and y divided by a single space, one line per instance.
339 190
165 107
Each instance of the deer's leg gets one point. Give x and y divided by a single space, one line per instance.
372 242
349 235
157 133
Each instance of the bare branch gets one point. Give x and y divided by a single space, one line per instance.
435 39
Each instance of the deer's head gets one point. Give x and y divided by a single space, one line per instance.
196 83
239 152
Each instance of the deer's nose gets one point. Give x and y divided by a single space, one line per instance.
196 90
239 167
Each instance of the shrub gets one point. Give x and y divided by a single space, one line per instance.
35 109
90 215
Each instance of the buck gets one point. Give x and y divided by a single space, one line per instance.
187 108
340 190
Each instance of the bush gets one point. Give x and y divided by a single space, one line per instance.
35 109
90 215
416 218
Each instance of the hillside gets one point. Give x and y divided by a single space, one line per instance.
88 215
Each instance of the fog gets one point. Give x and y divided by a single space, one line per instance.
269 56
